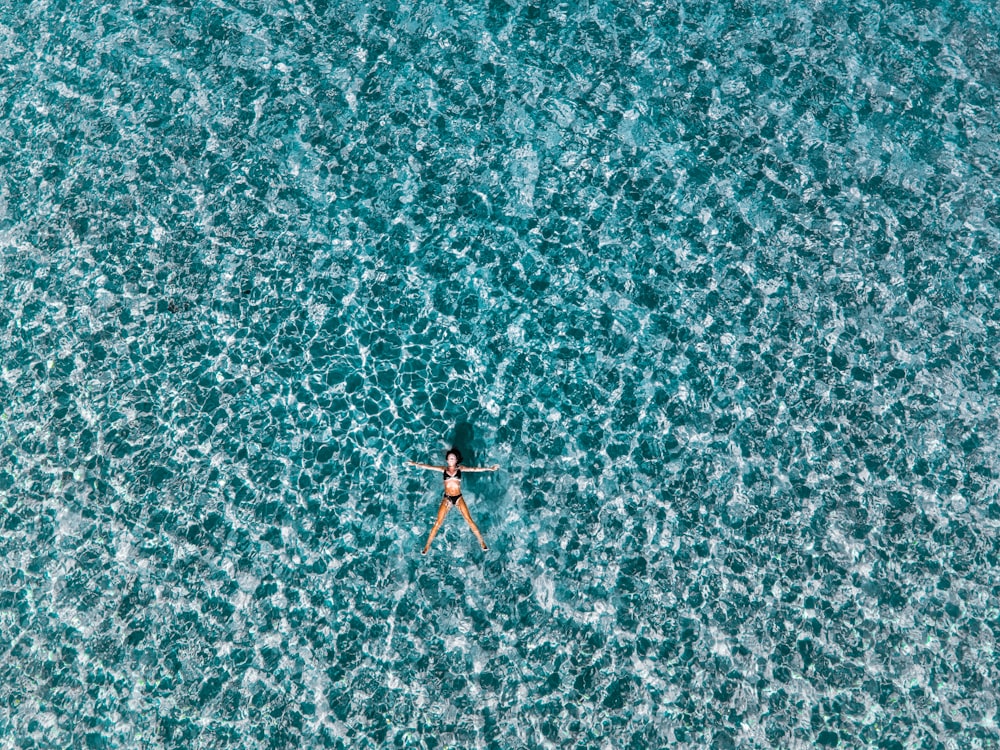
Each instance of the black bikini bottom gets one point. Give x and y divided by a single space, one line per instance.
453 498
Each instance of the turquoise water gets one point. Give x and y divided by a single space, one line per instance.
715 284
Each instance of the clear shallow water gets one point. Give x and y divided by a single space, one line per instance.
715 285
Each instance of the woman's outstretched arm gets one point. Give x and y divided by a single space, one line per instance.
494 467
424 466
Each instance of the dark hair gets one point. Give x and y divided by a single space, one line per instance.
458 455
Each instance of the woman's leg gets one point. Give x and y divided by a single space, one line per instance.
472 524
442 512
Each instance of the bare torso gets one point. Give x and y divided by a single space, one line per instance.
452 485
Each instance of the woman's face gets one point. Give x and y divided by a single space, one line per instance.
452 460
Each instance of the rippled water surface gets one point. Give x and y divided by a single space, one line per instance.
715 284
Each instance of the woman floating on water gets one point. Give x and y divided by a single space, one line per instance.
452 493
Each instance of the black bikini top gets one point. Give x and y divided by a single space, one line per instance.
457 475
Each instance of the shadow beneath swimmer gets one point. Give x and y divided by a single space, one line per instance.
464 439
475 453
